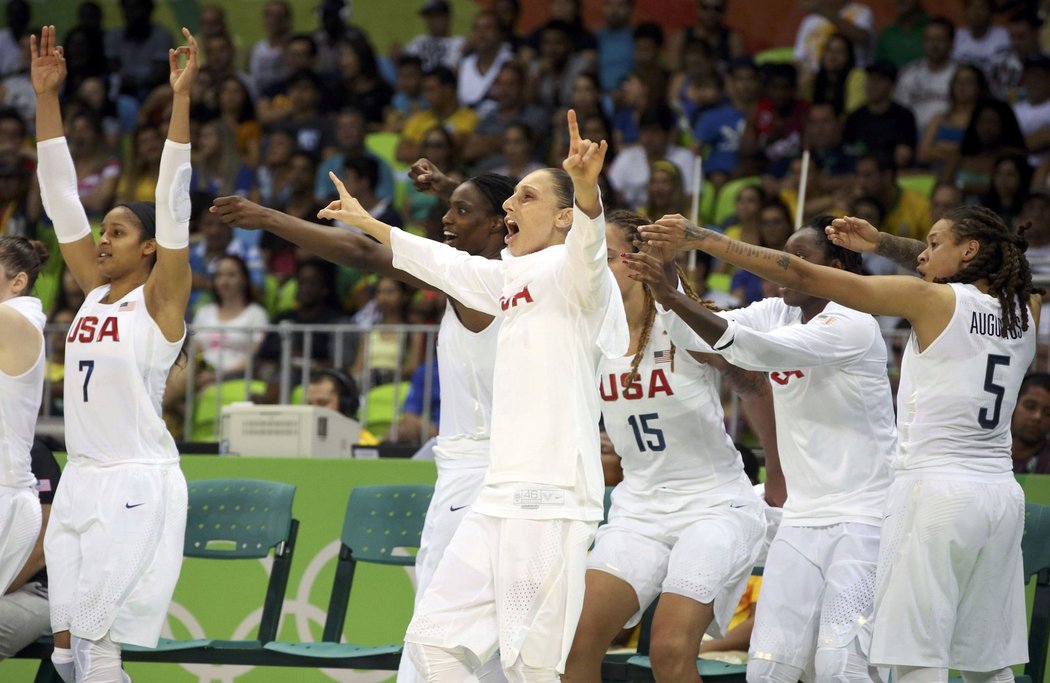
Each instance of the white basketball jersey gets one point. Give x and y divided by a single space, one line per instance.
956 398
19 404
834 410
117 361
466 363
667 425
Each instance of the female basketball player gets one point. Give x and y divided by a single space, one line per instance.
512 577
466 346
21 386
950 592
827 366
114 543
685 523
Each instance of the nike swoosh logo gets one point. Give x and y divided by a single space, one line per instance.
738 506
130 506
453 508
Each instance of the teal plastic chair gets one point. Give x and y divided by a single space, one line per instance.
1035 549
234 519
378 521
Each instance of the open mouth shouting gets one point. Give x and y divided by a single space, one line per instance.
512 229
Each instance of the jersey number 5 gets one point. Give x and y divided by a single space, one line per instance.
89 366
640 425
994 389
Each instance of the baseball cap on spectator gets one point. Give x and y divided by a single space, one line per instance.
435 7
884 68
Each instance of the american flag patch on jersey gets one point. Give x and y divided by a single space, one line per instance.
126 306
665 356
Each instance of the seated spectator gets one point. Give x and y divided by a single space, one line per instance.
823 137
1006 72
361 176
838 81
924 84
722 41
479 69
349 141
944 197
299 54
942 136
901 41
440 152
667 195
882 124
98 171
718 132
92 99
138 183
560 62
567 12
907 211
312 129
217 167
1011 178
773 134
222 57
14 134
1030 426
137 50
410 428
408 92
1033 115
315 304
992 132
648 61
336 390
24 612
237 110
775 226
437 47
271 176
517 152
615 41
17 213
697 86
300 201
980 41
746 224
586 101
629 101
439 89
361 86
266 57
387 355
629 172
85 54
510 95
855 20
216 241
872 210
16 28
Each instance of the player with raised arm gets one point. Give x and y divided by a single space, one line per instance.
466 345
951 536
114 541
513 576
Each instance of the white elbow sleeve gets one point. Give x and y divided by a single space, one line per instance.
58 190
173 196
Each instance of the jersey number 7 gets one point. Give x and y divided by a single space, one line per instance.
89 366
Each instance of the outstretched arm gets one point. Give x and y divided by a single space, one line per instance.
857 234
904 296
55 170
168 287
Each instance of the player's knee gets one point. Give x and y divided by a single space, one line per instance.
767 671
841 665
672 652
1004 675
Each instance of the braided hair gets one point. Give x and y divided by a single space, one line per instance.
630 222
1000 260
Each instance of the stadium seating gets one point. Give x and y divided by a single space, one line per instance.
725 203
922 183
776 55
206 408
380 404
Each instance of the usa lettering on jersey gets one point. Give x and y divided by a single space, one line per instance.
783 378
656 383
87 330
522 297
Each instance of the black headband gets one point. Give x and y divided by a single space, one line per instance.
146 212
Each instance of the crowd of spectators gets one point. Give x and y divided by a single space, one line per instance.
964 108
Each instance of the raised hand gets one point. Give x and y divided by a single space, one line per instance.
670 233
586 157
236 211
426 177
181 78
48 66
855 234
346 209
649 269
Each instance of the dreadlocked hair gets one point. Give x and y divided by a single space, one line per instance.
629 222
1000 260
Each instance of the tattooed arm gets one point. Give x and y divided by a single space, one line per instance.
857 234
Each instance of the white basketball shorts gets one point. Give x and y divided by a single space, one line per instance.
19 529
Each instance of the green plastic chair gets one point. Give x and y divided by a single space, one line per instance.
380 404
384 145
725 203
922 183
776 55
205 424
234 519
378 521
